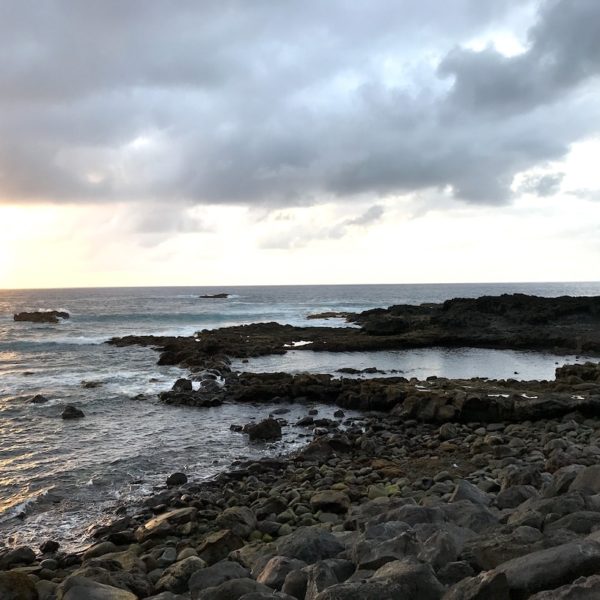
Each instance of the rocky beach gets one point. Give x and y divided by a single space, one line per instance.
436 488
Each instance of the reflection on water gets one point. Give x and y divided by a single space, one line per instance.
454 363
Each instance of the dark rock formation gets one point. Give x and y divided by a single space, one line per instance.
72 412
215 296
41 316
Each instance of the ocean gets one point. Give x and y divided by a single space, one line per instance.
58 478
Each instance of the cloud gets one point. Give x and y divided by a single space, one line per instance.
542 185
283 104
301 233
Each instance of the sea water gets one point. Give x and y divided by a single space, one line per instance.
59 477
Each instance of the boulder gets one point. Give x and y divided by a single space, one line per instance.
551 568
366 590
217 545
584 588
485 586
239 519
23 555
38 399
41 316
176 479
416 578
215 575
277 569
330 501
165 523
175 578
268 429
233 589
81 588
309 544
587 480
72 412
17 586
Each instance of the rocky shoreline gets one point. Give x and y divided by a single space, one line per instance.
454 489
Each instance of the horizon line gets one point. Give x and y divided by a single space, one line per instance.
132 287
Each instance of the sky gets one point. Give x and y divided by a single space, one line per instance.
177 142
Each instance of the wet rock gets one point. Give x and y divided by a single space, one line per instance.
81 588
41 316
268 429
366 590
38 399
177 479
72 412
49 546
182 385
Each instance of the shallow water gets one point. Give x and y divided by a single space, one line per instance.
453 363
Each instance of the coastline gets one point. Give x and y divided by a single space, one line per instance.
454 488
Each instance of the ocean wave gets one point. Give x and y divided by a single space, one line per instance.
24 345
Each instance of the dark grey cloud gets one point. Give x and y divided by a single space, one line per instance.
286 103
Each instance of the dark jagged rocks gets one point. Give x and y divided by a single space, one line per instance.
219 296
42 316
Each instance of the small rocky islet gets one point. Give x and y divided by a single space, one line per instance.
441 489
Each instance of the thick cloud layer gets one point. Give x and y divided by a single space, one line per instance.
288 103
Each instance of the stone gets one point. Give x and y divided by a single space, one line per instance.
366 590
38 399
382 543
439 549
239 519
277 569
217 545
176 479
17 586
233 589
309 544
215 575
488 585
99 550
587 480
295 584
81 588
182 385
175 578
23 555
330 501
584 588
320 576
71 412
416 578
514 496
49 547
448 431
165 523
467 491
552 567
268 429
